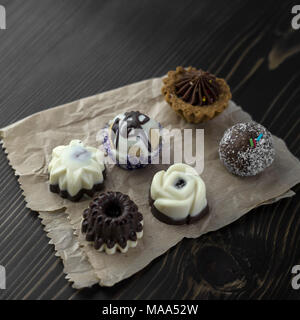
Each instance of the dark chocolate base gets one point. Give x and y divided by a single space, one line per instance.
188 220
65 194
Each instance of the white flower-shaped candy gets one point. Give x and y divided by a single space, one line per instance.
178 192
75 167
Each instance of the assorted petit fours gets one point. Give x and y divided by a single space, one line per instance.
75 170
132 140
178 195
247 149
195 95
112 222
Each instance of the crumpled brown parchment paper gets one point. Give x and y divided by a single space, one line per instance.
29 143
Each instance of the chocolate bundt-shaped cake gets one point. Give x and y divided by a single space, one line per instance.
112 222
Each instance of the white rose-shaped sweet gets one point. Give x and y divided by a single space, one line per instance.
178 192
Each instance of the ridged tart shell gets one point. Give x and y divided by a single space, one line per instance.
194 114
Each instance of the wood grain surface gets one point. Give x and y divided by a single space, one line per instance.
56 51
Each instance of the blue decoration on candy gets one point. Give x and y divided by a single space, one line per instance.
259 137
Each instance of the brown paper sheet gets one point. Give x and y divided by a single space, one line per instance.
229 196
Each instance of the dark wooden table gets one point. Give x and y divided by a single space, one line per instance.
56 51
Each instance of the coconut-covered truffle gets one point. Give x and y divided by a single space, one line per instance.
247 149
112 222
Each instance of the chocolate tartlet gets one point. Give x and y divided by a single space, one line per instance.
247 149
76 170
178 195
195 95
112 222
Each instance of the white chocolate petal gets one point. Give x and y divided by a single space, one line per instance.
56 173
175 209
92 169
87 181
181 167
57 151
155 191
